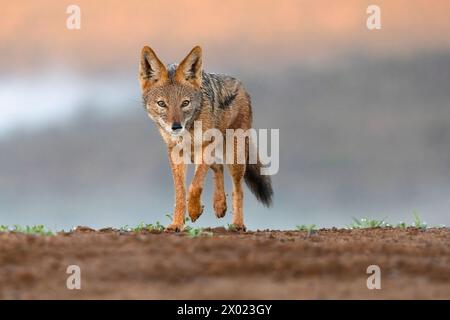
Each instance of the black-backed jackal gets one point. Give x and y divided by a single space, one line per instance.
178 95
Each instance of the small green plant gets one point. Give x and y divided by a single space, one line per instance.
230 227
418 222
186 219
365 223
144 227
191 231
304 227
157 226
36 230
310 229
197 232
140 227
401 225
125 228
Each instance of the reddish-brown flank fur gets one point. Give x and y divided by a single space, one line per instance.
220 102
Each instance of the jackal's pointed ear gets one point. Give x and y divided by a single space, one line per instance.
190 69
151 70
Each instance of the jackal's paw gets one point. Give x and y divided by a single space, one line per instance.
174 228
238 227
195 208
220 205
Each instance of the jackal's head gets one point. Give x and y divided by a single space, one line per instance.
172 96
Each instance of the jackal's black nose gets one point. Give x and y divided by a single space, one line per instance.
176 126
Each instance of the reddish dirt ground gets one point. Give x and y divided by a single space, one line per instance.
415 264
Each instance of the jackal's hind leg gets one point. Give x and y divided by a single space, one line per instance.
219 198
237 172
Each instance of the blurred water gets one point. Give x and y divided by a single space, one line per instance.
40 99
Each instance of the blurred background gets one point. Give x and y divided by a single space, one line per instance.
364 116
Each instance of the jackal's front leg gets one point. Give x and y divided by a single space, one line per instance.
195 207
179 181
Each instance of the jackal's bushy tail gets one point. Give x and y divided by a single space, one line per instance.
259 185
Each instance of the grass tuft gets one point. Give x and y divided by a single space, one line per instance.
34 230
365 223
418 222
141 227
231 227
311 229
401 225
197 232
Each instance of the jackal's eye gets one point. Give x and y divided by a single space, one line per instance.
161 103
185 103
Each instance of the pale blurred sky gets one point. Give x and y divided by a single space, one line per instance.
33 34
